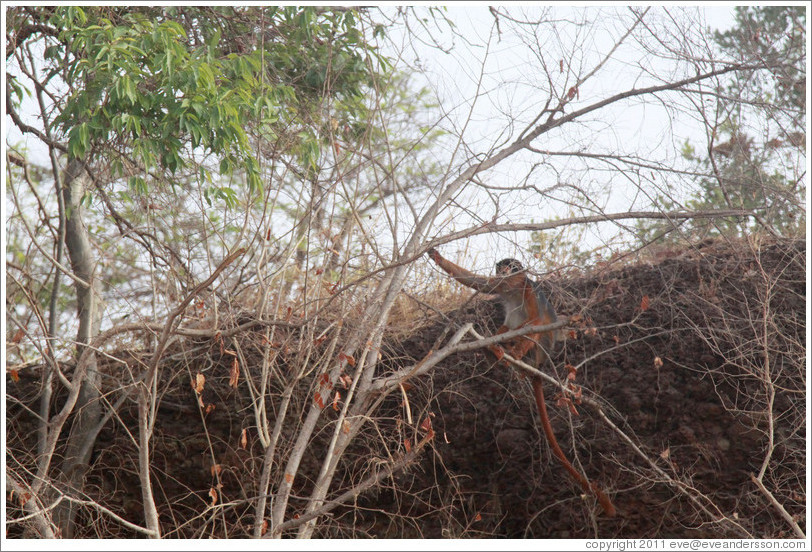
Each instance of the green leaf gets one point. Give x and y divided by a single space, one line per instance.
225 166
138 185
77 140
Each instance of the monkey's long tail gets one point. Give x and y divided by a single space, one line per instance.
605 502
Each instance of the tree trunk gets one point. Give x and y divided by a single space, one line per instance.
88 410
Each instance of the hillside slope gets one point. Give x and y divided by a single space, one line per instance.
697 358
693 356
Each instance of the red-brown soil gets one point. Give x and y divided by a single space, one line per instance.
675 349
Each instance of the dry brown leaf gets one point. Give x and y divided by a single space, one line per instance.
235 373
199 383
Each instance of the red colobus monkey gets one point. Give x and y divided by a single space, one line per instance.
525 305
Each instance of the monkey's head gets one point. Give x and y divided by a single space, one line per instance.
508 266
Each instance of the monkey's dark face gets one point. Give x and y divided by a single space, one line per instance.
508 266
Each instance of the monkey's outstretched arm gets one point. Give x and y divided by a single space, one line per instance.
484 284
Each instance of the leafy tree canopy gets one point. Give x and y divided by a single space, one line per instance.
150 88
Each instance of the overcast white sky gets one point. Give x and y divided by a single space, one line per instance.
512 87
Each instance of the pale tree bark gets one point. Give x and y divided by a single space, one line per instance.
88 410
53 315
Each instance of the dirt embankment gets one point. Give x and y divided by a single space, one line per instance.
697 357
694 356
